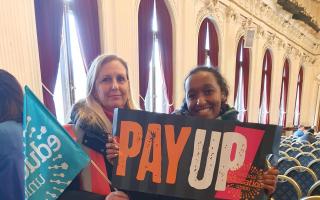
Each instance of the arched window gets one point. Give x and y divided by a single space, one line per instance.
208 45
284 94
265 88
296 119
155 56
68 42
242 80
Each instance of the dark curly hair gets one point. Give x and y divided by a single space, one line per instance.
220 80
214 71
11 101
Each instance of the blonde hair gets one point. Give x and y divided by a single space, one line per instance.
92 75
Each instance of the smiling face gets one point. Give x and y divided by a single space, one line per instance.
111 88
203 95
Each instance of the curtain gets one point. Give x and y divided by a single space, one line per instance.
145 45
237 68
202 42
300 87
286 84
269 69
246 65
165 40
213 43
262 78
245 70
87 19
267 73
48 16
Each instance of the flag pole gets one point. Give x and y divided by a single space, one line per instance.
101 173
47 89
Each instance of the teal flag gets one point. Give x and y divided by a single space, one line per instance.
52 157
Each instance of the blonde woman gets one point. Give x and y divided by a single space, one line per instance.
108 87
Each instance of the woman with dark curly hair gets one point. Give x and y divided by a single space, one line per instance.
11 152
206 93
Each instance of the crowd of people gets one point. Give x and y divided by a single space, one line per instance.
108 87
305 134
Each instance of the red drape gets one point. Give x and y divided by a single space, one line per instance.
300 82
246 65
213 43
49 25
245 70
87 19
165 39
145 44
267 72
285 81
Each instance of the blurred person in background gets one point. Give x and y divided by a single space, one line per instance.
11 150
308 136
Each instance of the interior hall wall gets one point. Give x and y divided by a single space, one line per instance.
18 43
119 35
284 39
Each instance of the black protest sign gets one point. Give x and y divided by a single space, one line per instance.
191 157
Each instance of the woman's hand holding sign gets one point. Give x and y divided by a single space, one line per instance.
269 180
112 149
117 195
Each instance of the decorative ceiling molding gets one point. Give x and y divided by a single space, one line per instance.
271 22
231 15
278 21
209 3
299 12
281 32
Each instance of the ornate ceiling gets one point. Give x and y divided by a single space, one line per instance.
312 7
307 11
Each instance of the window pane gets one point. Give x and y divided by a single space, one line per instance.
207 47
70 84
296 119
79 73
62 82
282 108
239 103
156 99
58 99
296 110
265 85
263 107
242 70
207 61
